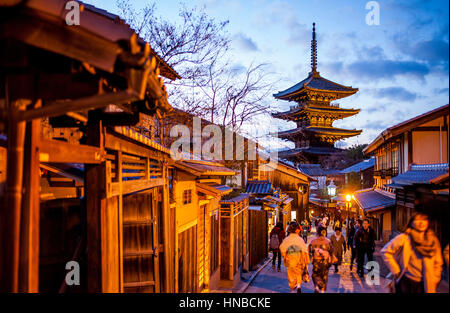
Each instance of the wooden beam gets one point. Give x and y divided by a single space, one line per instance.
63 107
29 241
131 186
115 142
10 213
53 151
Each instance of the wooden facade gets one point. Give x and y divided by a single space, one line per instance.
234 239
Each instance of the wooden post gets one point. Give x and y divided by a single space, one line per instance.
29 241
11 211
102 216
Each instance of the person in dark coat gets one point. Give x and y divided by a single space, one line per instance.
279 231
365 245
350 240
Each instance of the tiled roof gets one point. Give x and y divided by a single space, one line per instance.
205 167
372 200
311 169
322 130
307 150
259 187
236 199
421 174
315 82
361 166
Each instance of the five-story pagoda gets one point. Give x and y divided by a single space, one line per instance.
314 114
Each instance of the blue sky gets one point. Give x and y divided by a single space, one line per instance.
399 66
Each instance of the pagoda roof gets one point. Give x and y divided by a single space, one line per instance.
322 131
307 150
331 109
315 82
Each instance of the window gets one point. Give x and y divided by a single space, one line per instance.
187 196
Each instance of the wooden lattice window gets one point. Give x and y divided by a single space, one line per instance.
187 196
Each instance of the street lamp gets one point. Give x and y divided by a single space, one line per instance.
331 189
348 198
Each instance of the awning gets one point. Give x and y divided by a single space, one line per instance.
421 174
204 168
372 200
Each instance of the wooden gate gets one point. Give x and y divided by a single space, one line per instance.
258 236
140 242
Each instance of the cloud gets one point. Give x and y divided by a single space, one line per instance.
394 93
387 69
237 68
441 91
246 43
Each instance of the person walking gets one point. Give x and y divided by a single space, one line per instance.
350 241
295 257
339 247
414 257
321 254
337 224
305 231
277 236
365 245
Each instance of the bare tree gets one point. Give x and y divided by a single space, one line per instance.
198 49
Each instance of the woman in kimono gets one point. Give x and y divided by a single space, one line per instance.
321 253
295 256
339 246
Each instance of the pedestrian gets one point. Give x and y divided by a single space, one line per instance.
287 227
321 254
305 231
351 242
295 258
339 247
414 257
365 245
277 236
337 224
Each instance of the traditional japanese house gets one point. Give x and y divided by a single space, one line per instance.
196 191
399 149
294 183
363 171
95 180
314 114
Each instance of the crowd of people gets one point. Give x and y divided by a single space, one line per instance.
414 257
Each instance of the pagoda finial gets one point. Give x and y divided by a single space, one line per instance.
314 51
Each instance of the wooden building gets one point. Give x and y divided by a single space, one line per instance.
196 191
95 180
405 149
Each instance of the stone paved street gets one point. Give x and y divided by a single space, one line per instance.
346 281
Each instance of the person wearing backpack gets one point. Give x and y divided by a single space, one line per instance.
277 236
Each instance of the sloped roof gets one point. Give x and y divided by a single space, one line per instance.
204 168
421 174
361 166
236 199
371 200
307 150
315 82
406 126
259 187
311 169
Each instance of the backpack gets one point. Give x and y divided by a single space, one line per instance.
274 241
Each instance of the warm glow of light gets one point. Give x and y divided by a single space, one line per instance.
348 198
353 197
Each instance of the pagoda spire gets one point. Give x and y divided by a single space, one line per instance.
314 51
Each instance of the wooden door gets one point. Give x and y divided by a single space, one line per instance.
140 242
187 261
